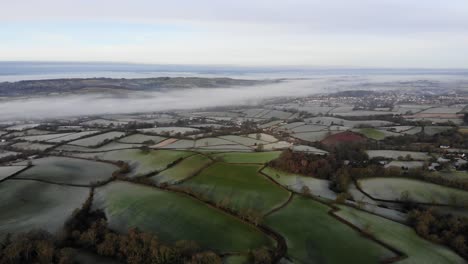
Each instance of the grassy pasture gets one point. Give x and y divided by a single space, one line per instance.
239 187
226 148
4 154
309 149
294 182
313 236
308 128
68 170
32 146
172 216
375 134
181 144
140 138
395 154
280 145
418 191
27 205
401 237
253 157
107 147
184 169
432 130
140 162
45 137
313 136
241 259
169 130
264 137
6 171
205 142
246 141
98 139
406 164
72 136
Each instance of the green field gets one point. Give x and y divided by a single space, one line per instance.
182 170
7 171
236 260
140 162
68 170
372 133
294 182
239 187
401 237
395 154
313 236
27 205
140 138
418 191
254 157
98 139
172 216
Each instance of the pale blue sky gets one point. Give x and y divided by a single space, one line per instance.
366 33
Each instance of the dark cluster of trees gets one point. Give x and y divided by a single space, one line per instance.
451 137
33 247
306 164
138 247
449 230
331 167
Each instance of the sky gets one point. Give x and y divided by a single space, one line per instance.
332 33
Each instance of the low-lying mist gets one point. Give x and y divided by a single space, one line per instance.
181 99
177 99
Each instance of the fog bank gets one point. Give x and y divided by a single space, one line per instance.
95 104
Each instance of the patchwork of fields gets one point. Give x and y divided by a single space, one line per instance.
210 180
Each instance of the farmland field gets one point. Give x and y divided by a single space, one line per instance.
317 187
68 170
246 141
140 138
375 134
45 137
179 144
27 204
401 237
107 147
316 237
395 154
418 191
98 139
182 170
32 146
7 171
308 128
72 136
205 142
226 148
405 164
178 217
313 136
253 157
309 149
140 162
239 187
169 130
4 154
328 121
280 145
432 130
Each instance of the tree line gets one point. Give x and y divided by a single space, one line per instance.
448 230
